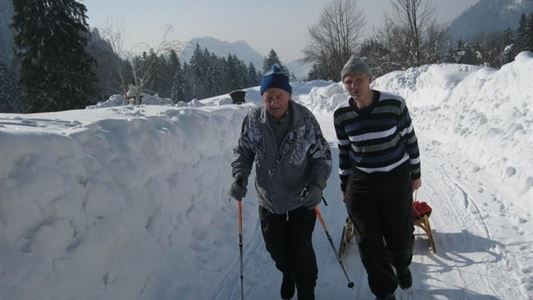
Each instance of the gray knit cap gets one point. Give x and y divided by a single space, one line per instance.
355 66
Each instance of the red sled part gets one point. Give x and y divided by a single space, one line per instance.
420 209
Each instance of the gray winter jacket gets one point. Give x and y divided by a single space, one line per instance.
303 158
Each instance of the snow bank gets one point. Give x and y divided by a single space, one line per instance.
102 202
98 210
119 100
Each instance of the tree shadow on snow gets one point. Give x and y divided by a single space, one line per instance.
455 250
455 247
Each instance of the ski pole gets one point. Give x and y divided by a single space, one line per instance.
321 220
239 214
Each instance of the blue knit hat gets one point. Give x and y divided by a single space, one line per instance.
275 79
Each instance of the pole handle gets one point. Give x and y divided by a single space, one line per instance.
239 213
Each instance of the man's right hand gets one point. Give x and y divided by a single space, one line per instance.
238 188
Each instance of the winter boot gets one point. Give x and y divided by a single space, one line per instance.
287 287
306 290
387 297
405 280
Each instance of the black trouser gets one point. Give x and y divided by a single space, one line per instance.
288 239
380 208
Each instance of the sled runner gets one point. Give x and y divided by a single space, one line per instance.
421 213
346 236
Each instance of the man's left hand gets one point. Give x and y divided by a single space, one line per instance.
312 196
416 184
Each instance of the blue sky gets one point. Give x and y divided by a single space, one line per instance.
277 24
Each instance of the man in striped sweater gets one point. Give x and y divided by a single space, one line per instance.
379 167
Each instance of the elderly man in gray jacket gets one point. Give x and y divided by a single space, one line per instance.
292 163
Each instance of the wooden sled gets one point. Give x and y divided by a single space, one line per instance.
421 213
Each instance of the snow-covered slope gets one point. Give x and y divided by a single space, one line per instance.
128 202
488 16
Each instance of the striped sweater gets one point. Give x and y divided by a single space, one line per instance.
377 138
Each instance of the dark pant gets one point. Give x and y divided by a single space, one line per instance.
288 239
380 208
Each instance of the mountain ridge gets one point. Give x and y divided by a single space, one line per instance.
487 16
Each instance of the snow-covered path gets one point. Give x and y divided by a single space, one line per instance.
128 202
481 251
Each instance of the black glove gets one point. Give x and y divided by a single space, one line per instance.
238 188
311 196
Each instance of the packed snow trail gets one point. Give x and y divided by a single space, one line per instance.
470 262
132 202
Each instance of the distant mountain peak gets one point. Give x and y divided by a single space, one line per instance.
240 48
487 16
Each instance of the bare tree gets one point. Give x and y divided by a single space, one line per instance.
411 31
334 38
137 75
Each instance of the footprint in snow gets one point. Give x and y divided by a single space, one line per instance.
510 171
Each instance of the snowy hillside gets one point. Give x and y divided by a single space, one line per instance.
126 202
488 16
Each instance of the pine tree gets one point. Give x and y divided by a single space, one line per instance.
215 74
171 66
56 71
235 75
521 34
271 59
187 84
507 36
151 71
243 73
198 73
252 78
160 80
10 101
524 34
528 36
178 90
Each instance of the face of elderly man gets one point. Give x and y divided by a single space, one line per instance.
276 101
